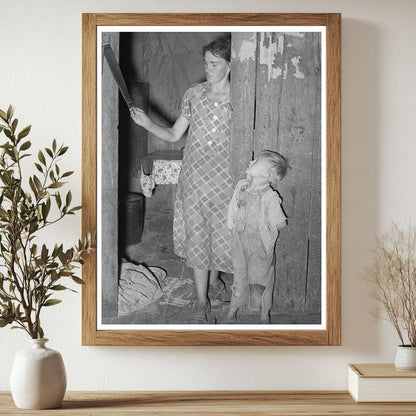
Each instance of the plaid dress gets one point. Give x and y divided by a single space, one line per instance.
205 186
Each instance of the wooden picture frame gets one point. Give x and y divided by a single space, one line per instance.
330 331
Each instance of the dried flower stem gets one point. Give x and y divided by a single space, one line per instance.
393 276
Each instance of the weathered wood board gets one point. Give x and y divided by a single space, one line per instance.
282 84
109 196
243 79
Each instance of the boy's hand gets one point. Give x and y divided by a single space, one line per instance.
246 181
281 225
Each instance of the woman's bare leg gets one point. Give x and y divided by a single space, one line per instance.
201 286
214 277
203 312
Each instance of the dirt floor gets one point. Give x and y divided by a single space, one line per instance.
175 303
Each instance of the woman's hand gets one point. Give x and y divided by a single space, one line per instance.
140 117
169 134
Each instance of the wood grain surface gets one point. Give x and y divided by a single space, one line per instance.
212 403
381 371
332 334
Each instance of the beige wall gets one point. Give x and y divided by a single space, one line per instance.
40 73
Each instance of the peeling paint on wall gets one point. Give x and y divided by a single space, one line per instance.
248 49
295 61
285 71
280 43
296 34
268 54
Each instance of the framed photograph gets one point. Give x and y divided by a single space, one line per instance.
211 172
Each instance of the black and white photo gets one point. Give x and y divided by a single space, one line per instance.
212 179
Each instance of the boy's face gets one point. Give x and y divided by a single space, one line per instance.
259 168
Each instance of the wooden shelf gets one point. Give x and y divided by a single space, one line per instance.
178 403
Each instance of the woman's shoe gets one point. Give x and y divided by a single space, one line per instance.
203 314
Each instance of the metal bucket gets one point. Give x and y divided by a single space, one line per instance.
132 219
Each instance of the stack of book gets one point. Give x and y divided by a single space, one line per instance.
381 383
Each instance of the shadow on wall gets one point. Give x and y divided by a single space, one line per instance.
361 185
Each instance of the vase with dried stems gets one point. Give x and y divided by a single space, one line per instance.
31 273
393 277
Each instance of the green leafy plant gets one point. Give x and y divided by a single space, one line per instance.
393 277
30 272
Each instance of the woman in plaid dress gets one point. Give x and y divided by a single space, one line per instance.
205 186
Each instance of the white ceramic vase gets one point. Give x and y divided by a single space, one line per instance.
38 377
405 358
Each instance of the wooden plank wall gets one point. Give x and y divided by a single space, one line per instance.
243 90
170 62
280 79
110 141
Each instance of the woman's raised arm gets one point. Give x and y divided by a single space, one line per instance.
169 134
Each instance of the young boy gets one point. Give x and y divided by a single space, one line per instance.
255 217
